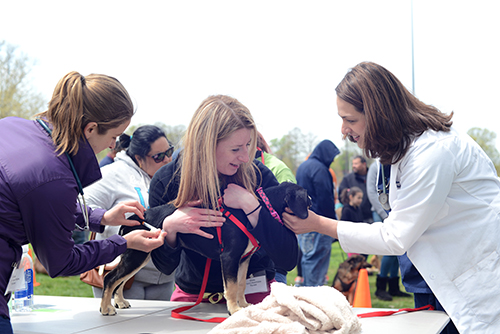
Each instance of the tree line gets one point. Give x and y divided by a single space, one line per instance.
19 98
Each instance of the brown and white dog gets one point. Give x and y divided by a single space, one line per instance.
236 245
347 275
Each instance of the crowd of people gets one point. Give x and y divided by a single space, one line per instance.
428 204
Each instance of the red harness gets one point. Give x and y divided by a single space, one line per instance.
242 227
176 312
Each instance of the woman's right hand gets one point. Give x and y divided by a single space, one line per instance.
116 216
188 219
313 223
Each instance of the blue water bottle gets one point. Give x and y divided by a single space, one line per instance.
23 297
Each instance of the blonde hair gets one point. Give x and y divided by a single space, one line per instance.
79 100
216 118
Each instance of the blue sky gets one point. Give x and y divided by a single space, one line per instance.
282 59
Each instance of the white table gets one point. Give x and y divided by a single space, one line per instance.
64 315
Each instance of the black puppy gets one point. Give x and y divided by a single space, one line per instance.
236 244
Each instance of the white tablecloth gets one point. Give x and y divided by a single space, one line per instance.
65 315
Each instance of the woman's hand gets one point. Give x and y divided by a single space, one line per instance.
189 219
116 215
313 223
144 240
239 198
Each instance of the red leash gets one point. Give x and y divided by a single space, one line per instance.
386 313
176 312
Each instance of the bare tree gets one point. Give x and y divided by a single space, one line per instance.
293 147
174 132
17 96
486 139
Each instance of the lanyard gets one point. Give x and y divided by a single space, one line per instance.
78 183
261 155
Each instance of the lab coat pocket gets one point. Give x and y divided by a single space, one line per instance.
475 286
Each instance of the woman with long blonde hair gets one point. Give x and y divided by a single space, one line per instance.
217 162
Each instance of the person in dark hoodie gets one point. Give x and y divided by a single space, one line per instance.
314 175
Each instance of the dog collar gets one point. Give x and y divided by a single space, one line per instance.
268 205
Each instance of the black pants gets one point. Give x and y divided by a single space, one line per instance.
5 326
299 266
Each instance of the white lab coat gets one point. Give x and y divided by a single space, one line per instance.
445 200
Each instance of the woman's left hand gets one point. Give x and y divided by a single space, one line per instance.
116 215
239 198
145 241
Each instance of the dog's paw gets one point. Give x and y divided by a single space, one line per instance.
243 304
233 307
122 304
233 310
108 310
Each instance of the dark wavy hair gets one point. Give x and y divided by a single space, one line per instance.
140 142
394 117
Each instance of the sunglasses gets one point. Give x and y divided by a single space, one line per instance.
159 157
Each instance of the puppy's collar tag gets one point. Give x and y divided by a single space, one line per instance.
266 201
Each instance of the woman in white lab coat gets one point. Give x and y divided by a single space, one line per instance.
443 192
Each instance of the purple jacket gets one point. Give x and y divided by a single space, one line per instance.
38 204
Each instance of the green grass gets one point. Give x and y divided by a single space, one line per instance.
62 286
72 286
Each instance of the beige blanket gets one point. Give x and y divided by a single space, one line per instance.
288 309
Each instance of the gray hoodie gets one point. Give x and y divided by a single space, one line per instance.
121 181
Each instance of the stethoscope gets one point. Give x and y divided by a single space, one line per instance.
383 197
78 183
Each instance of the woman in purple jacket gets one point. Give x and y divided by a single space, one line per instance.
45 164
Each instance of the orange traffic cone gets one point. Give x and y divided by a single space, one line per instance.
35 283
362 294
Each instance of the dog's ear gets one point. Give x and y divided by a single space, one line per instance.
298 201
135 217
153 216
124 229
353 260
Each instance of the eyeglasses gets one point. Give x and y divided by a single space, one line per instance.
159 157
